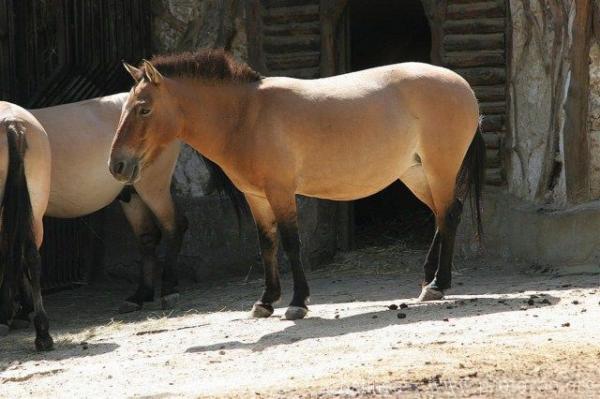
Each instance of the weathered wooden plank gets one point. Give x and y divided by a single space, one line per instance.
303 59
494 176
491 108
493 139
287 3
479 25
483 76
300 73
463 59
492 158
466 42
489 93
492 123
488 9
291 14
293 28
291 43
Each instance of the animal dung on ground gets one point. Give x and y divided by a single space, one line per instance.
567 324
531 302
403 306
393 306
402 315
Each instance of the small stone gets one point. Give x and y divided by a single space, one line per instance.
446 319
575 302
337 316
461 366
472 375
567 324
531 302
221 352
546 301
449 307
402 315
565 285
393 306
403 306
583 310
374 316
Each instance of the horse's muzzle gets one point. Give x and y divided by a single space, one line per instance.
125 170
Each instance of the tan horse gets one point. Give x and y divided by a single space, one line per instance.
24 187
80 137
339 138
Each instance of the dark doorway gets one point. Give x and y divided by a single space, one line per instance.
386 32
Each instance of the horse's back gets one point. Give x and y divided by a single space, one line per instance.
351 135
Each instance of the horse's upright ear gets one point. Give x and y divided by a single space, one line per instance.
135 73
152 73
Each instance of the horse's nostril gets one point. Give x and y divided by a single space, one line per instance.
119 167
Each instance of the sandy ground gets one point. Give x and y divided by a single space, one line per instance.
504 331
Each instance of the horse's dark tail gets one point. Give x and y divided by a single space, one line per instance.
471 178
17 217
223 185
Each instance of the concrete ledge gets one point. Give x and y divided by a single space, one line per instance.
532 233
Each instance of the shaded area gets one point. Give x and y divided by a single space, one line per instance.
386 32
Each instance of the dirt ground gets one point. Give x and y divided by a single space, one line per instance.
504 331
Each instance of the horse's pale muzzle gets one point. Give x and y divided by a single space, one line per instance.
125 170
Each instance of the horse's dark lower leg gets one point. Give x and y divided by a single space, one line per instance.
43 340
173 247
6 306
267 238
291 244
148 242
21 319
431 262
447 231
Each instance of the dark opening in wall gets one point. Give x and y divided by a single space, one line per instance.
386 32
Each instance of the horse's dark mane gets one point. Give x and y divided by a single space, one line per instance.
205 64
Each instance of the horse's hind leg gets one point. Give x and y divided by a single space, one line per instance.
416 181
43 340
148 236
268 240
6 307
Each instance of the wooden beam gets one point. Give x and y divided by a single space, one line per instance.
256 57
329 15
576 137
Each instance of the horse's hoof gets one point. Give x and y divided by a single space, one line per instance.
128 307
261 311
4 330
169 301
430 294
295 313
44 344
20 324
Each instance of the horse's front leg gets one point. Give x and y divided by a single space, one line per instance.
268 240
148 237
284 208
173 224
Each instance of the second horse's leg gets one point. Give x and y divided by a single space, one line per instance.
148 237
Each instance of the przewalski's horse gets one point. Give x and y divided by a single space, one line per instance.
339 138
80 137
24 187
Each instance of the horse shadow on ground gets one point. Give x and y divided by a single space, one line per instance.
447 311
62 350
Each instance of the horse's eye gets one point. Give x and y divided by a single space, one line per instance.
145 111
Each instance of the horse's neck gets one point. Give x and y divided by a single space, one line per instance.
213 113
